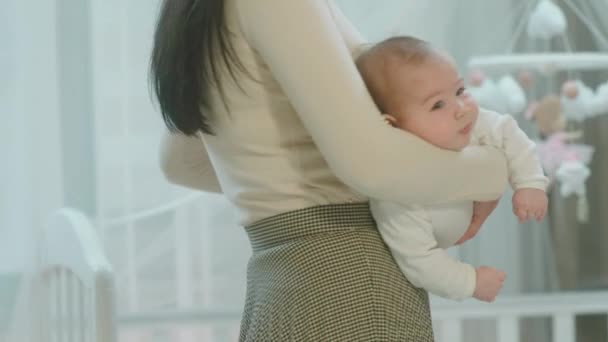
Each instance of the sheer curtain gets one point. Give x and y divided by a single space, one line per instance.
79 129
174 249
31 173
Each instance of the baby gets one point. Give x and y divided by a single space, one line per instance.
422 90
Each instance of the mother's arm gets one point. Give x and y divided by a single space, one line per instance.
322 83
184 161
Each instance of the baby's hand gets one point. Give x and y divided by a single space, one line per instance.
488 283
529 204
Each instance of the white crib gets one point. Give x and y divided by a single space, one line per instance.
562 308
75 288
448 317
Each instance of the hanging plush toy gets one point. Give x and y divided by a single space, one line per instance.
487 93
556 145
572 176
546 21
505 96
562 159
576 99
547 115
599 103
558 148
514 95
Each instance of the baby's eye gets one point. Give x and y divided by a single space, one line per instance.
438 105
461 91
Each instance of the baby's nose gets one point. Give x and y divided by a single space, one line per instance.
461 104
461 109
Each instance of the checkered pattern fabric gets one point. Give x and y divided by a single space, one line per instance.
324 274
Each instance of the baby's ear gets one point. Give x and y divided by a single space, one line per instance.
389 119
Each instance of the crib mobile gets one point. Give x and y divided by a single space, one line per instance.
556 117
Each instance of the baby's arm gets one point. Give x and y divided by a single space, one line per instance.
525 171
409 236
411 240
502 131
184 161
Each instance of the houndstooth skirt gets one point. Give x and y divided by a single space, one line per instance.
324 274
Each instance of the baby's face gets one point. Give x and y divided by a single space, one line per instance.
434 104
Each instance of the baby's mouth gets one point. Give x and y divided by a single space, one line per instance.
466 129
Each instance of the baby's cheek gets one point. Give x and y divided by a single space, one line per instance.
471 104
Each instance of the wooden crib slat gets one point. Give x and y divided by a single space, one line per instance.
507 329
563 327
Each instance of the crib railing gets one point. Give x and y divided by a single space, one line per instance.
74 286
562 308
448 316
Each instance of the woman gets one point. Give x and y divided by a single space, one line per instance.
298 146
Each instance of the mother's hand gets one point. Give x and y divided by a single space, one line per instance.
481 211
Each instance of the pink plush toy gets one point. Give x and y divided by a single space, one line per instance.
476 78
570 89
525 79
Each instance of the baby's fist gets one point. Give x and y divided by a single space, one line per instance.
529 203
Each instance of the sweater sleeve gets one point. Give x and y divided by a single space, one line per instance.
525 170
412 242
355 42
303 47
184 161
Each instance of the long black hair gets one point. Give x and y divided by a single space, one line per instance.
190 36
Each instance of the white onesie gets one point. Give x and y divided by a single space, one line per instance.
418 235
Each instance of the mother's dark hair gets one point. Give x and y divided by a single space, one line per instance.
191 46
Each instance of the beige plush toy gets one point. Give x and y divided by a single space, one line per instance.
549 119
547 114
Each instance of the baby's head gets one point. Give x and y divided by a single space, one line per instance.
420 90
